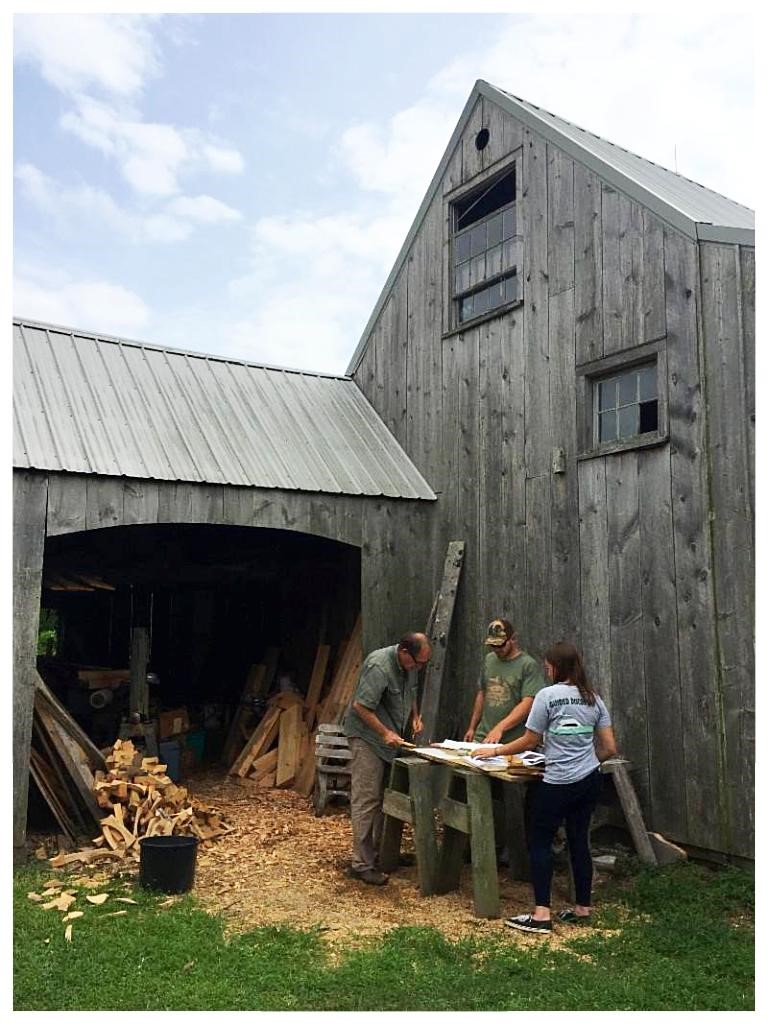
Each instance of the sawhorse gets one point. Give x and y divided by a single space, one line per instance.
467 812
409 798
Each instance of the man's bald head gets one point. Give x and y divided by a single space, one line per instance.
416 647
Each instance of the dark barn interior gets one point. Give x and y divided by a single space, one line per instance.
214 600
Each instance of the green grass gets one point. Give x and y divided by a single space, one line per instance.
686 941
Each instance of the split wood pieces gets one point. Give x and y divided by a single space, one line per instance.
139 799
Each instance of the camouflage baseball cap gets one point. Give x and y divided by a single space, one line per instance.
499 631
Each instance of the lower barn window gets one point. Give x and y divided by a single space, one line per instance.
626 405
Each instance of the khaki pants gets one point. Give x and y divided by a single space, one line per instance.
367 784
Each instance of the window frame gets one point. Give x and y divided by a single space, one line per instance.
589 375
452 324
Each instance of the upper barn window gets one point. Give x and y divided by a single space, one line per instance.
486 248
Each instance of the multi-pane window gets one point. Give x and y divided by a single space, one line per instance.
486 249
626 404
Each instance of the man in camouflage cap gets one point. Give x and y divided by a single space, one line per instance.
509 681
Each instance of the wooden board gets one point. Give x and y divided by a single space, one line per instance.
253 684
263 765
289 745
63 717
439 636
72 758
316 681
260 741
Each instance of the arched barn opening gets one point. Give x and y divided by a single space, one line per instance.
205 604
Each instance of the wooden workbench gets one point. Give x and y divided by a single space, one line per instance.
467 812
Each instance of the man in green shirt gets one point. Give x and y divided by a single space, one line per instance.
376 722
509 681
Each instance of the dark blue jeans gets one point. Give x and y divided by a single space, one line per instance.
572 803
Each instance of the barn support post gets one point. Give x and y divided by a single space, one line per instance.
30 497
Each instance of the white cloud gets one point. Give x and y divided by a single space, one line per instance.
93 213
151 157
90 305
225 161
312 284
203 210
113 52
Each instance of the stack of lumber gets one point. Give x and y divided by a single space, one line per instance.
63 761
137 798
280 751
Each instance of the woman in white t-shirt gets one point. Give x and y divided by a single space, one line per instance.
575 727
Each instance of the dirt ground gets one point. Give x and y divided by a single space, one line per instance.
283 866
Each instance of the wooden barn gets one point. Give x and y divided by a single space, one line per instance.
559 372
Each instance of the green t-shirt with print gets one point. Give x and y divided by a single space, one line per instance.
504 684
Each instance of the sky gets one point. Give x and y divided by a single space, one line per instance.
241 184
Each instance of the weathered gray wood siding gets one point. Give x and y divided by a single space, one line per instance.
616 553
29 500
386 530
727 303
395 592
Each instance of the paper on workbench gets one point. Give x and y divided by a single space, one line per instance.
463 745
488 762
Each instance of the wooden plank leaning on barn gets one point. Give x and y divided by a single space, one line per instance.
439 633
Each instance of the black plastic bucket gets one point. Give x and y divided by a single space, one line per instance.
167 863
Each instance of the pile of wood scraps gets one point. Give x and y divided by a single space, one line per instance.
280 750
137 798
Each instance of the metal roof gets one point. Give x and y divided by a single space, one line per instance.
693 209
706 214
108 406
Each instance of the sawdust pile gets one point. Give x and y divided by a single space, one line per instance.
280 865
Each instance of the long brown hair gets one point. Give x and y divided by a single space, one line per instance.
568 668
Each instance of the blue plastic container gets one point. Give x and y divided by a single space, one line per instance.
170 754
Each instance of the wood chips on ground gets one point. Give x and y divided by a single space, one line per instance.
282 866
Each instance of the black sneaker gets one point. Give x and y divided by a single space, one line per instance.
368 875
526 923
571 917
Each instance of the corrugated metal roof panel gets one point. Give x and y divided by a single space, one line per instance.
119 408
700 204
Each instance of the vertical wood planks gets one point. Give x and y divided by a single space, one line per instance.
560 218
747 271
564 485
626 611
140 502
536 308
30 497
690 510
66 503
595 582
103 502
468 615
666 764
588 264
654 323
731 527
472 157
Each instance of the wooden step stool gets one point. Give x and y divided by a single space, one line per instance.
332 771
